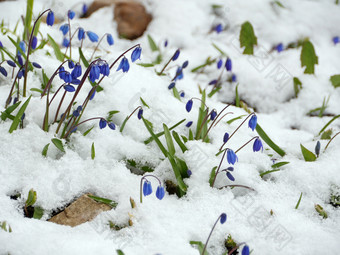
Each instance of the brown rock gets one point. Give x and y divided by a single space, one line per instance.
97 4
80 211
132 19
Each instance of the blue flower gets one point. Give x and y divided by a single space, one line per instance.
94 73
279 47
69 88
257 146
22 47
111 125
172 85
317 148
81 34
185 64
166 43
189 124
75 81
76 113
176 55
219 64
233 78
231 157
67 77
21 73
84 9
92 93
230 176
182 94
124 65
223 218
225 137
140 113
3 71
92 36
1 46
70 64
252 122
11 63
64 29
66 42
188 106
245 250
189 173
147 188
79 108
104 69
50 18
62 73
213 115
336 39
179 74
102 123
76 72
20 61
228 64
219 28
136 54
71 14
160 192
34 42
109 39
36 65
213 82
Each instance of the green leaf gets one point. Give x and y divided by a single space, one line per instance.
308 57
7 113
56 48
123 124
178 175
110 115
109 202
191 135
268 172
212 175
159 143
327 135
200 247
247 38
119 252
268 141
169 141
31 198
45 149
201 115
58 143
279 164
17 118
237 98
183 167
88 131
158 60
328 123
143 102
176 93
237 118
36 90
298 202
93 152
162 133
152 44
179 141
146 64
297 86
38 212
28 19
219 49
208 62
307 154
83 59
335 79
321 211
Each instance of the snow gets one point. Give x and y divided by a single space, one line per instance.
167 226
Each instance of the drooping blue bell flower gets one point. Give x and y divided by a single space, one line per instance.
50 18
109 39
124 65
136 54
92 36
252 122
231 157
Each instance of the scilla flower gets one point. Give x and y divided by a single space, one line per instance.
124 65
92 36
136 54
252 122
257 146
231 157
50 18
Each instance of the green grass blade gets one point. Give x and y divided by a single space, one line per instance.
83 59
307 154
298 203
56 48
93 152
109 202
169 141
179 141
152 44
212 175
17 118
268 172
328 123
7 113
159 143
144 103
237 98
88 131
58 143
149 140
177 173
200 247
123 125
45 149
268 141
28 19
279 164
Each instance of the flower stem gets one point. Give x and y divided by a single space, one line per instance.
141 184
206 243
331 140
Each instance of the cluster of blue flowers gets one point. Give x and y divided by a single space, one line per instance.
228 67
124 63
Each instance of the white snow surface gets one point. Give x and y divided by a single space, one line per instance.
167 226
